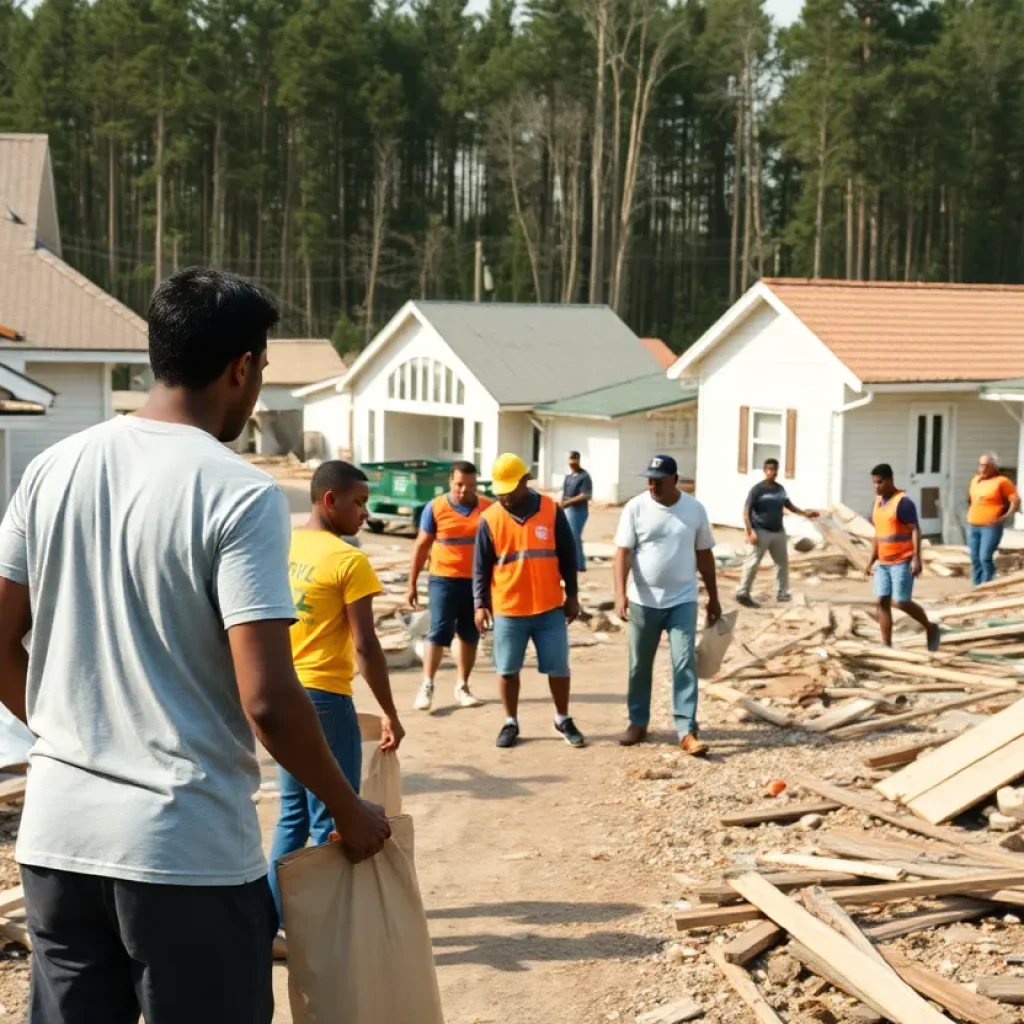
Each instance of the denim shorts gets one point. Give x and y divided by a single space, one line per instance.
549 633
895 581
451 611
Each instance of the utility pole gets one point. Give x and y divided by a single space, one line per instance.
478 271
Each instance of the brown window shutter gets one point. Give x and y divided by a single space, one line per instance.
743 462
790 444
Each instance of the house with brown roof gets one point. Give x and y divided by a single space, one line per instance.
833 377
60 335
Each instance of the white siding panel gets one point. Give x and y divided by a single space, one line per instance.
515 433
771 362
982 427
277 398
79 404
879 432
331 417
597 441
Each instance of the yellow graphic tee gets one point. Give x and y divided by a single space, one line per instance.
326 575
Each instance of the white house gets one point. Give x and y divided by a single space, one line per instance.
60 335
454 380
833 377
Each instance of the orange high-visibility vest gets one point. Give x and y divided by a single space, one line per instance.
454 539
895 539
526 580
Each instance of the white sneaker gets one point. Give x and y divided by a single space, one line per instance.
425 697
464 698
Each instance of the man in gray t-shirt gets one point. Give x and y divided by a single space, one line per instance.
147 566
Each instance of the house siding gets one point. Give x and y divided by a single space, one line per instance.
331 418
597 441
82 391
771 362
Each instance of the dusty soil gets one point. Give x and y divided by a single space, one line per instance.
551 875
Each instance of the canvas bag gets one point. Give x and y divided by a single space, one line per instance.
713 645
382 774
359 949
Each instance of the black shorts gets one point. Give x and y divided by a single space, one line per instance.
451 611
106 950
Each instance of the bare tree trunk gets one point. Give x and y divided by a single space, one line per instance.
219 192
819 216
849 229
929 228
951 213
158 243
748 189
508 141
112 213
286 213
383 148
575 161
862 213
908 259
873 252
597 161
737 176
264 122
342 224
175 233
755 138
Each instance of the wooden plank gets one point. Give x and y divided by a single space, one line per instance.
859 556
11 900
967 749
774 652
899 1002
12 788
932 672
705 916
985 608
743 985
842 714
971 785
1003 990
968 635
873 845
831 913
906 753
778 812
984 589
752 943
673 1013
820 966
952 910
963 1004
15 931
864 728
863 869
786 881
733 696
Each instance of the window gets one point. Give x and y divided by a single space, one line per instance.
424 379
437 394
392 383
414 380
535 453
460 394
478 444
766 432
449 390
453 436
371 436
671 432
402 374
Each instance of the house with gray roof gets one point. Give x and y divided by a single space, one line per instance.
60 335
463 380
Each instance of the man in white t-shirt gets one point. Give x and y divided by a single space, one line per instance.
663 540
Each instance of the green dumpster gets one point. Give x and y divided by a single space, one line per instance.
399 491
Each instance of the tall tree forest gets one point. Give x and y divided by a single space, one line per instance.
656 155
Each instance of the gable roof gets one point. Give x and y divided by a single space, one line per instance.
295 362
26 193
645 394
895 332
526 354
665 356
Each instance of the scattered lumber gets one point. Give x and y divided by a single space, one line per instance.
842 714
953 612
672 1013
15 931
953 910
963 1004
12 788
1003 990
906 753
755 707
858 554
11 900
894 997
984 589
820 966
967 636
752 943
863 869
774 653
778 812
826 908
785 881
743 985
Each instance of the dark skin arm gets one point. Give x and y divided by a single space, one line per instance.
706 568
577 500
286 723
420 554
15 623
623 565
916 565
800 512
374 668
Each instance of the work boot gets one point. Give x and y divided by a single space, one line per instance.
689 744
464 698
570 733
934 637
747 601
632 735
425 697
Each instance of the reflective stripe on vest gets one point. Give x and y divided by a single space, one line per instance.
454 538
895 539
526 580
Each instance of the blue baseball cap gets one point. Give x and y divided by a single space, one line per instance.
660 467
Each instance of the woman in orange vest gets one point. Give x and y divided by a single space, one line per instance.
447 535
896 556
525 553
993 502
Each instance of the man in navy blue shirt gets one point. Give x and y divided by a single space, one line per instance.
577 490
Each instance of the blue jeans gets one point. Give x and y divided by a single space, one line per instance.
302 814
895 581
451 611
577 515
983 542
645 628
549 633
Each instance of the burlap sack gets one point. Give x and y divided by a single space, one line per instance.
382 773
713 645
358 946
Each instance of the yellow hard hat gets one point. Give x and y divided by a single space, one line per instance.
507 472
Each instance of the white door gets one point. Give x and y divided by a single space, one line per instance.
929 463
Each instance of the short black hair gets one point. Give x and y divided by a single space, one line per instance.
202 319
462 467
574 455
771 462
883 471
334 476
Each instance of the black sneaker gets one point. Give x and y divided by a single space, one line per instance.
509 735
747 601
571 734
784 598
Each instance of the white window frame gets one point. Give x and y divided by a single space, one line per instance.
478 444
756 462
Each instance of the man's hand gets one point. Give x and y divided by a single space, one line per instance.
916 567
869 570
412 597
622 607
391 733
363 830
752 538
813 514
572 609
482 618
714 611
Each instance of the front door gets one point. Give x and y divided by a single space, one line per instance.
929 464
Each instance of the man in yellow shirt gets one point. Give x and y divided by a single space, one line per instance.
333 585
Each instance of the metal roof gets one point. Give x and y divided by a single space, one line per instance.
294 362
645 394
529 353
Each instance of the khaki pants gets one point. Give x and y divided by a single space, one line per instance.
776 545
